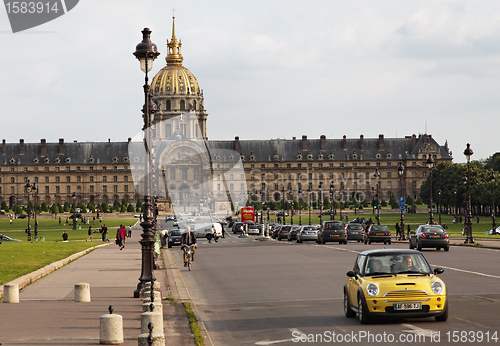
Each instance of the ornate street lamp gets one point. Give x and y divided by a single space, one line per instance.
401 171
377 177
290 202
439 205
299 192
468 218
73 196
146 52
455 193
320 202
332 203
430 165
28 190
309 202
283 199
493 223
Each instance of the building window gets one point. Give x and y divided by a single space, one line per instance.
310 165
36 179
115 168
58 179
58 190
91 178
91 168
115 178
105 188
125 168
196 174
57 169
172 174
252 166
169 105
288 165
389 175
68 179
330 165
218 187
125 178
263 165
78 189
25 169
183 105
320 165
46 179
25 179
168 127
12 190
389 164
378 164
355 164
231 187
68 169
367 164
424 174
104 178
78 168
12 180
125 188
104 168
299 165
341 165
413 174
46 190
46 169
276 187
389 185
91 188
115 188
185 174
68 190
78 179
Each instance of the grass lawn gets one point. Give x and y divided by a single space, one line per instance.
20 258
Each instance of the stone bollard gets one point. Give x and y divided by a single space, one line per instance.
11 293
151 337
111 329
82 292
147 298
156 286
157 307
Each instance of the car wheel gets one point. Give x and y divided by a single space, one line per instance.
279 239
447 248
389 242
347 306
369 241
443 317
169 246
345 242
366 241
438 249
362 312
411 246
385 243
419 247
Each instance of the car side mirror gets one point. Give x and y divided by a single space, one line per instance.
438 271
351 274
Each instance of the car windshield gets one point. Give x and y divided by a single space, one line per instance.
334 225
175 232
355 226
434 229
412 263
380 228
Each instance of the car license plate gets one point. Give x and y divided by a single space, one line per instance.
380 233
436 236
335 235
408 306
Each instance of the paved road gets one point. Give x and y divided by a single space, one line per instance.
249 292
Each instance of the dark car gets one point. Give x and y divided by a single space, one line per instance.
378 234
22 216
76 216
276 229
355 231
283 232
430 236
332 231
237 227
175 237
292 235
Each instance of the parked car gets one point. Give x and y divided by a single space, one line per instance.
22 216
237 227
283 232
190 220
276 229
76 216
175 237
254 229
355 231
292 235
394 283
7 238
332 231
429 236
308 232
378 234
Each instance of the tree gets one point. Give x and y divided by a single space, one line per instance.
44 207
123 209
393 203
138 206
67 207
54 209
130 208
4 206
18 209
493 162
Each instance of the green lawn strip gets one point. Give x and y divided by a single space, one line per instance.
193 323
50 224
21 258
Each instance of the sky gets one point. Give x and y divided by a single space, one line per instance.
268 69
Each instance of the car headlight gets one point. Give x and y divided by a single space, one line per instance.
437 287
372 289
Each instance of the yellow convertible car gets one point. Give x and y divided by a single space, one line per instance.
394 283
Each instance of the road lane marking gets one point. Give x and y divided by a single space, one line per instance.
272 342
417 330
468 271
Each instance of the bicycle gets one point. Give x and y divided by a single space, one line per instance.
188 251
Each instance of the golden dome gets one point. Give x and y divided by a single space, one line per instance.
174 79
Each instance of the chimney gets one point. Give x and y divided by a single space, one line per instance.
380 142
362 142
21 146
61 146
4 147
345 142
43 148
237 144
413 141
323 142
426 139
304 142
109 143
129 139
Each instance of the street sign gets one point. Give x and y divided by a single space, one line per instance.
402 203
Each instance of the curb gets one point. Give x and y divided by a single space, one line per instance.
29 278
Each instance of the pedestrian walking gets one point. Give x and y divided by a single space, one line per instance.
89 233
104 233
129 235
398 231
121 235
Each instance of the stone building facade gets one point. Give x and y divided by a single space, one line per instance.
194 173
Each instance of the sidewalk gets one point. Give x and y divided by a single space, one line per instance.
48 315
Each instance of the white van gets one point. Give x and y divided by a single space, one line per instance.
207 229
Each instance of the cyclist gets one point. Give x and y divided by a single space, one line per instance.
188 238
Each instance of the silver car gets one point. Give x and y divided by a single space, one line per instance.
308 232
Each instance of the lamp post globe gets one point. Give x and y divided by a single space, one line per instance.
146 52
